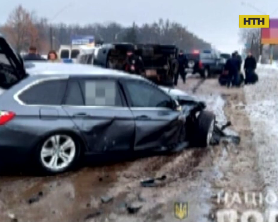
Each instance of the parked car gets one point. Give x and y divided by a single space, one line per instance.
54 114
206 63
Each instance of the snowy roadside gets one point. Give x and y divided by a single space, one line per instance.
262 109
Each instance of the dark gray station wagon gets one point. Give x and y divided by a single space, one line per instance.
54 114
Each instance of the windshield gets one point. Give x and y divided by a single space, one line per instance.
225 56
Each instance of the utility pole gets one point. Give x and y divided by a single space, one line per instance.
271 54
51 26
51 36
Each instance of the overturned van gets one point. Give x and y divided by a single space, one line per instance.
160 61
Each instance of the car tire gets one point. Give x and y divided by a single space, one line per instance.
204 129
206 73
58 153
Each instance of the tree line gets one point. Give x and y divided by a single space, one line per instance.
24 28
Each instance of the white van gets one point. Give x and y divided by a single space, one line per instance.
67 52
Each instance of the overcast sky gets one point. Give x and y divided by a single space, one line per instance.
216 21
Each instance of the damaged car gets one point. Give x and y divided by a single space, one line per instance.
160 63
53 115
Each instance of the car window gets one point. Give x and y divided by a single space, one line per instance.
74 53
65 54
74 95
49 92
206 56
146 95
101 92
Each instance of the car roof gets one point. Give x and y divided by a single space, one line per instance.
70 69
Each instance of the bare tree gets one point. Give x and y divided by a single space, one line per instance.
20 29
251 38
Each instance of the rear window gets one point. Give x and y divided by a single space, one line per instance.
50 92
193 56
93 93
65 54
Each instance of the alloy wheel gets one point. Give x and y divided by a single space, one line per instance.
58 152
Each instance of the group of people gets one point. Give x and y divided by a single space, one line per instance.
232 75
34 56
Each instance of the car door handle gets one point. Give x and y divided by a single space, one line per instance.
80 115
143 117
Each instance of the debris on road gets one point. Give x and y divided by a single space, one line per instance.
35 198
220 134
134 207
106 199
93 215
12 217
153 182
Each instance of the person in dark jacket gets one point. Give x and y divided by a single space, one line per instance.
133 64
32 55
182 65
231 67
250 64
239 60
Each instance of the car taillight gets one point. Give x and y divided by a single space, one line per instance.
200 65
6 116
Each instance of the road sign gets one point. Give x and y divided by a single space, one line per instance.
82 40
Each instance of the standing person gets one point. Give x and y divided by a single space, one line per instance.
182 65
133 64
250 64
32 54
231 67
239 61
52 56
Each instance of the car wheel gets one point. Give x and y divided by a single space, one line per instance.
205 73
204 129
58 153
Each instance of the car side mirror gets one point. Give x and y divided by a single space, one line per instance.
175 104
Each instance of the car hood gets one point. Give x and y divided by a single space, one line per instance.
179 94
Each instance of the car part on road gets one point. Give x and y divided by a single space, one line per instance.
58 153
134 207
35 198
153 182
106 199
90 216
219 135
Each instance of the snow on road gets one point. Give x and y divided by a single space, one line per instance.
262 108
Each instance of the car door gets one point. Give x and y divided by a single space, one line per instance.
97 108
157 124
11 65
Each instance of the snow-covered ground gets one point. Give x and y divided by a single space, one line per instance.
262 109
